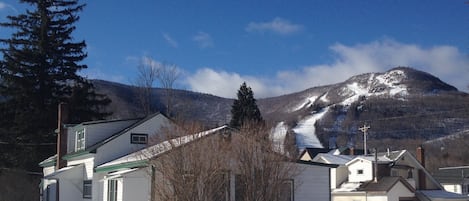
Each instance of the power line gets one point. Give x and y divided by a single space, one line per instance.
29 144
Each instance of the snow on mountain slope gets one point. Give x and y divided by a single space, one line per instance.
278 134
305 131
363 85
306 103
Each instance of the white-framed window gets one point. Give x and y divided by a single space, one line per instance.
360 171
138 138
80 136
87 188
112 190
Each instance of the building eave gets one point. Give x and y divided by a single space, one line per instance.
132 164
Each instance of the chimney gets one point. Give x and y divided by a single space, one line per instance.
61 135
421 158
352 151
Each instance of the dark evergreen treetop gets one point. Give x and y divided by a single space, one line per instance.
39 70
244 109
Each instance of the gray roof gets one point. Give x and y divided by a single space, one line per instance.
384 184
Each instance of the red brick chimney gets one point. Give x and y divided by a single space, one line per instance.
62 135
421 158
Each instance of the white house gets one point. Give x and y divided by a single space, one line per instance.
387 176
121 176
70 174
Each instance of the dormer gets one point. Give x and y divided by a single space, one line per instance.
86 134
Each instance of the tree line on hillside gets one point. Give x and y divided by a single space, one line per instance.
417 116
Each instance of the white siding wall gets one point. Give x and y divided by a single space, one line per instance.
98 132
95 132
338 176
360 196
312 183
88 166
48 170
455 188
121 145
306 157
399 190
71 189
360 164
376 198
136 186
71 139
98 183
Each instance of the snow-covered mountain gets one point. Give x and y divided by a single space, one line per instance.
388 101
398 104
403 106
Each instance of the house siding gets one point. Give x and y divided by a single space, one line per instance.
399 190
136 186
312 183
350 197
121 145
360 164
95 133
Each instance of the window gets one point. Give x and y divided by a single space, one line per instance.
87 184
360 171
286 191
137 138
112 190
80 140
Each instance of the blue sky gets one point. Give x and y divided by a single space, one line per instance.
277 47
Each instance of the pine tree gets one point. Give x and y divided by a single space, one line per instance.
38 71
244 109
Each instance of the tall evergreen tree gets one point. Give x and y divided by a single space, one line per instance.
244 109
38 71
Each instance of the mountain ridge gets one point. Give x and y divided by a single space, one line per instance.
396 95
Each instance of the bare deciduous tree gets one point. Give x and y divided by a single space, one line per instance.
191 171
168 74
262 173
235 165
147 73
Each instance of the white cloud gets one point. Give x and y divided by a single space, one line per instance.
170 40
445 62
4 5
97 73
277 25
204 40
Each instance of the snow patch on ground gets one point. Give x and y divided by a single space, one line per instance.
392 79
306 131
357 91
324 98
278 135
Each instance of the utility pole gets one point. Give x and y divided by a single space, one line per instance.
364 129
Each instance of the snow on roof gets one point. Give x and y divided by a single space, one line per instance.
347 187
160 148
381 159
334 159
